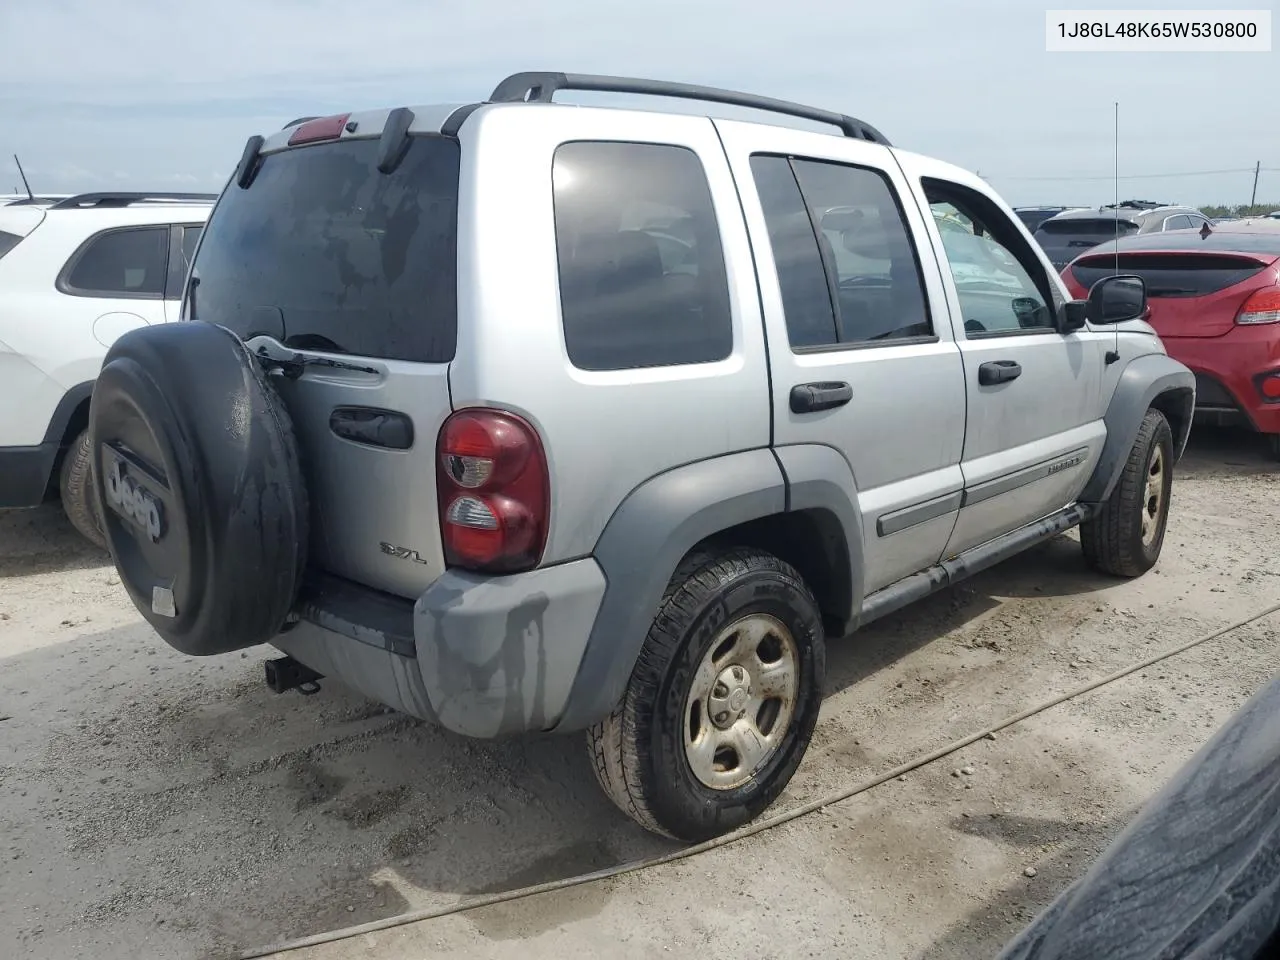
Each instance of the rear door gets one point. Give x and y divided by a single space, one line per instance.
853 302
353 270
1033 395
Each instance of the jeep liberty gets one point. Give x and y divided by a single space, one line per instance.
524 417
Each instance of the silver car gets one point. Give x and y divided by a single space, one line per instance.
528 418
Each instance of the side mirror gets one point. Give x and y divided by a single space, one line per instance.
1117 300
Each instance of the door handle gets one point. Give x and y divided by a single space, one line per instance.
823 395
999 371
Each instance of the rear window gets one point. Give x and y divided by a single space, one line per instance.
1170 274
1033 218
1104 228
7 242
323 252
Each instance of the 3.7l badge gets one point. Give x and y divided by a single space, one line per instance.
401 553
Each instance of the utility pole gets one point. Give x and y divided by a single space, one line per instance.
1253 198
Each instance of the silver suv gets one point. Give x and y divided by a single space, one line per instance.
522 417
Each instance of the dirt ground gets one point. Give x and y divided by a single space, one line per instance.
153 805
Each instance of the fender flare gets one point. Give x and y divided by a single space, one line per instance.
62 414
648 535
1154 380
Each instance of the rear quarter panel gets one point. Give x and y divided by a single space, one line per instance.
605 432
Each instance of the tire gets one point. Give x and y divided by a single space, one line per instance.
1273 445
1116 540
197 469
75 488
740 601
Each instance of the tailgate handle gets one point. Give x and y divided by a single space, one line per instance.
372 427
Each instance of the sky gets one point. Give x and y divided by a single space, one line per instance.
161 94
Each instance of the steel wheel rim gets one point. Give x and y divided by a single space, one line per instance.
741 701
1153 497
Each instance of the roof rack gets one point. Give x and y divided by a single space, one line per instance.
539 87
1136 205
34 201
117 199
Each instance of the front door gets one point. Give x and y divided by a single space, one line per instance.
859 361
1035 425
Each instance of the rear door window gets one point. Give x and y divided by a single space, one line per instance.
129 263
847 269
323 252
642 272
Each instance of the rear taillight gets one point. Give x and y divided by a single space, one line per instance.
494 495
1262 307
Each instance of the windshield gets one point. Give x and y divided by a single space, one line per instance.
323 252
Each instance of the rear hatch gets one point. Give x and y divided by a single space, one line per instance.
1065 239
354 272
1192 294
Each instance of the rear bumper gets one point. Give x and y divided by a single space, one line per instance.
482 656
1227 369
24 474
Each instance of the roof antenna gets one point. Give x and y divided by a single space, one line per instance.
1113 355
24 177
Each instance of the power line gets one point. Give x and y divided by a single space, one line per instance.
1141 176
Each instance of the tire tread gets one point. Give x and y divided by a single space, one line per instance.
617 746
75 487
1108 539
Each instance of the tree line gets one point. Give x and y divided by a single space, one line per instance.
1240 210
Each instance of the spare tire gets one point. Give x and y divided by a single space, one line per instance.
204 506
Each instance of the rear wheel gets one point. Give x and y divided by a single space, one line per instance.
75 487
722 701
1273 444
1125 537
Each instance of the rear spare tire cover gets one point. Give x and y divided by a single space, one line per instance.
204 504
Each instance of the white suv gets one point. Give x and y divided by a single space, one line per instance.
75 273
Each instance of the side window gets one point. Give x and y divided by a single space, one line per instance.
642 272
806 296
182 248
847 268
7 242
120 263
999 281
190 237
1179 222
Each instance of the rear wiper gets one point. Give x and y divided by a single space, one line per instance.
291 365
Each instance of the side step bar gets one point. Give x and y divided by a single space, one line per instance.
962 566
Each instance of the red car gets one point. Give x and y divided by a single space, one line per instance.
1214 295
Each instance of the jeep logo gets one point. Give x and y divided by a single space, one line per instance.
134 502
